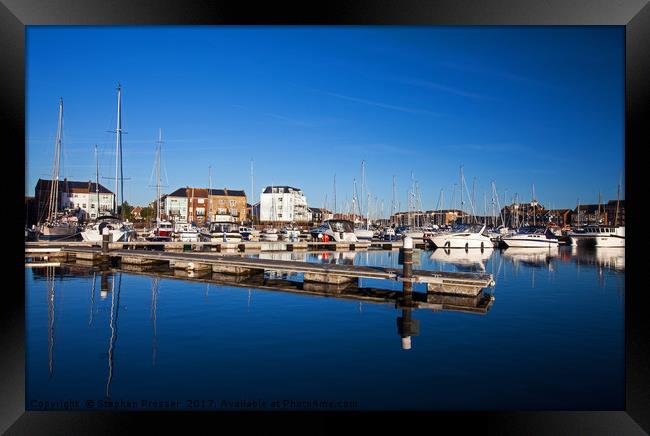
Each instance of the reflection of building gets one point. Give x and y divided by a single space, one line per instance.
283 204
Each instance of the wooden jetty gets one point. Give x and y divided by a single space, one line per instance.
228 247
456 283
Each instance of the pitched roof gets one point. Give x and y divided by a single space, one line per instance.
183 192
66 185
281 189
228 192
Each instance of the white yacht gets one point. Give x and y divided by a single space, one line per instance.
224 232
249 233
186 232
364 234
269 235
289 233
462 236
118 230
599 236
531 237
335 230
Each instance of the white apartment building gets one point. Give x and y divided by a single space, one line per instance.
174 206
283 204
83 196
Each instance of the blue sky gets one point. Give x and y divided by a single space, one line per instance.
513 105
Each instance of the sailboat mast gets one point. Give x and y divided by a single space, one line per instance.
118 143
97 178
334 195
158 174
363 181
210 191
618 200
252 191
393 204
462 202
54 186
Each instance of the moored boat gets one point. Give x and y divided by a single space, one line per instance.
462 236
531 237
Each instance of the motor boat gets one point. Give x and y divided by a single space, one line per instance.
599 236
269 235
249 233
289 233
364 234
388 234
462 236
224 232
118 230
186 232
335 230
531 237
162 231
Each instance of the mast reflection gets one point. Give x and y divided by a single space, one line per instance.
115 306
50 277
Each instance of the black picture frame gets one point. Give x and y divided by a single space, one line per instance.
633 14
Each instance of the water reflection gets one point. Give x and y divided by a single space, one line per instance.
463 260
534 257
115 309
50 280
210 344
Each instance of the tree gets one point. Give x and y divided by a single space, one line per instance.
146 212
127 210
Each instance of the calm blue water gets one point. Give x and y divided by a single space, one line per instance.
553 338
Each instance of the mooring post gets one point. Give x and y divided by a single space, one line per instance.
407 263
105 241
407 326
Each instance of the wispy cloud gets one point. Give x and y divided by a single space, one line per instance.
374 148
506 147
292 121
502 74
379 104
439 87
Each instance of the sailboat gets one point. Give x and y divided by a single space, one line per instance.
162 230
119 230
362 234
57 225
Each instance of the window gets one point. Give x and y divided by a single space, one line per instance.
233 203
201 200
200 211
84 205
222 201
93 205
279 215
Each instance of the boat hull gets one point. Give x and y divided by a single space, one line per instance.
364 235
53 233
457 241
529 242
93 235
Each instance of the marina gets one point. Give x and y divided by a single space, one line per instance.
341 218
